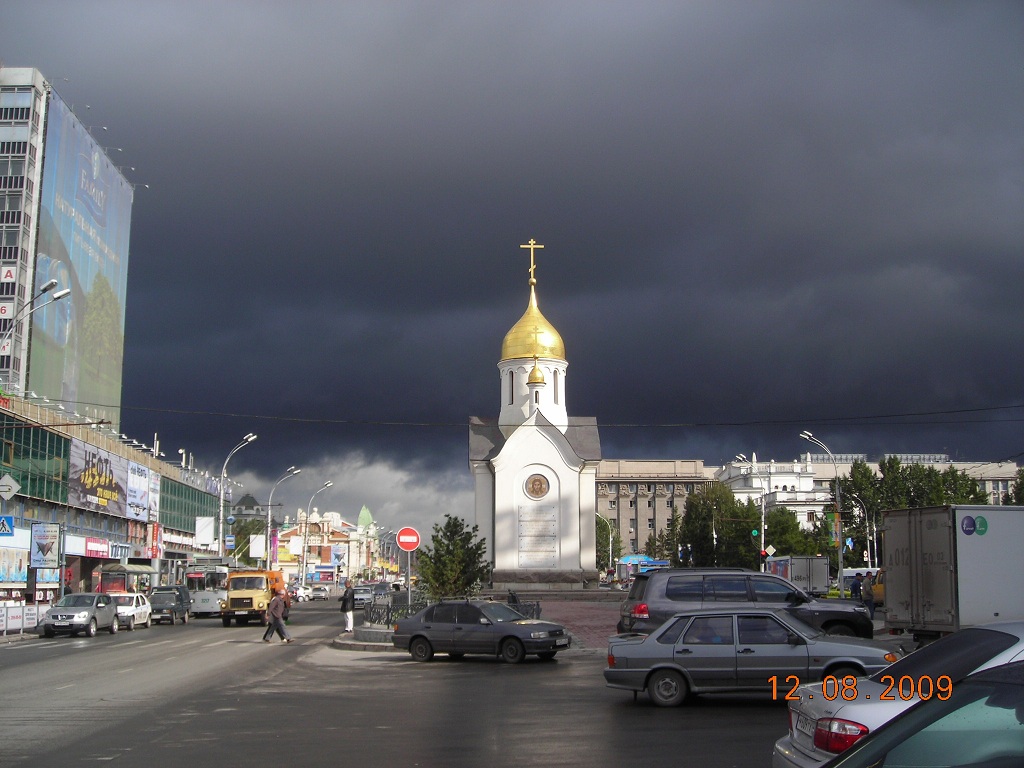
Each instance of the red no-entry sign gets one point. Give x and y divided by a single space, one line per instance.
408 539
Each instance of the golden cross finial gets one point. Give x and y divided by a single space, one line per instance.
532 245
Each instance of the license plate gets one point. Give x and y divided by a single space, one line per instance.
562 641
805 725
205 600
62 623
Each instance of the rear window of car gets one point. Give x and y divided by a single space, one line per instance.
685 588
636 592
725 589
956 655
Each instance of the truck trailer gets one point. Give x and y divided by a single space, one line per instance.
806 571
952 566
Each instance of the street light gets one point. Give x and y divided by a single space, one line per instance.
305 533
290 472
25 311
223 481
755 470
839 520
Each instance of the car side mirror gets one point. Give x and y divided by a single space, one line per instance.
795 639
485 621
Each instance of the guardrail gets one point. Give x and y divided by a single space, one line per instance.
386 613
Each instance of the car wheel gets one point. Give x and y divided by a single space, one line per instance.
90 631
184 618
130 626
547 655
666 688
841 630
512 650
421 650
149 621
225 620
840 672
115 625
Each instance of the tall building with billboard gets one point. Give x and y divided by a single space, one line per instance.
65 213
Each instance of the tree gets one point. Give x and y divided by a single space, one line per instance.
602 544
715 529
1016 493
454 564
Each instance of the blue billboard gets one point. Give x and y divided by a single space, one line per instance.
77 344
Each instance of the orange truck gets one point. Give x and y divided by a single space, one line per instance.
249 595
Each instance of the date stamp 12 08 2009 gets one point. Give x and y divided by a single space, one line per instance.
904 688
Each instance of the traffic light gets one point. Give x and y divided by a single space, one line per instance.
754 533
763 553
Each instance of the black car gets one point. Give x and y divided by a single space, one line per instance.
458 627
658 595
171 603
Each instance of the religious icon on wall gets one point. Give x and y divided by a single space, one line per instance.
536 486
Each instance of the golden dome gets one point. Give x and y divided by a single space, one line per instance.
532 335
536 375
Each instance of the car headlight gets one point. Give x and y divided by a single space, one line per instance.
81 616
539 635
262 604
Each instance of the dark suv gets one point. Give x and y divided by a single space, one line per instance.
170 603
658 595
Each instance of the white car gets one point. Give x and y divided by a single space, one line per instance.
133 610
824 722
302 593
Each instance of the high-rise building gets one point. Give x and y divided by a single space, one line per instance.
65 219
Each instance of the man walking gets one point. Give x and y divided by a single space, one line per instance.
276 613
868 591
857 587
348 604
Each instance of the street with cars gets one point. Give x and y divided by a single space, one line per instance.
758 686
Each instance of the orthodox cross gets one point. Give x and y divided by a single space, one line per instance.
532 245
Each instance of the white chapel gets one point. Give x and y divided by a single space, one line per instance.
535 467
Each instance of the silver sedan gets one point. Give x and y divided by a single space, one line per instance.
84 612
742 649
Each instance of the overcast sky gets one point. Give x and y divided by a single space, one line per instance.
758 218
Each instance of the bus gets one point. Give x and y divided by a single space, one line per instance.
208 585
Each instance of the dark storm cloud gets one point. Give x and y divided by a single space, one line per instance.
771 215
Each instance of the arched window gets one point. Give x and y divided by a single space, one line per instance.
511 386
556 386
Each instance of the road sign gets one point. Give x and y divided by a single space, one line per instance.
6 525
8 487
408 539
229 542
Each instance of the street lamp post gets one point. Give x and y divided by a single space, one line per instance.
305 533
25 311
755 470
869 536
223 481
290 472
839 520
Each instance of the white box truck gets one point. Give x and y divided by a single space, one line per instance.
806 571
952 566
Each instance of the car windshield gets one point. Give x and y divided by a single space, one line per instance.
499 612
162 598
248 582
76 601
955 655
802 627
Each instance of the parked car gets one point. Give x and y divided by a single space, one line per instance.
300 593
320 592
819 729
381 590
458 627
979 722
658 595
133 609
363 595
170 604
84 612
743 649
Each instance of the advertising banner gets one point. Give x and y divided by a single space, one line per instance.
13 567
154 496
98 480
45 551
85 209
138 492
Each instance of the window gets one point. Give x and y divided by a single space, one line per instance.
761 630
612 503
650 503
725 589
444 613
770 590
632 503
511 386
650 523
708 630
685 589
